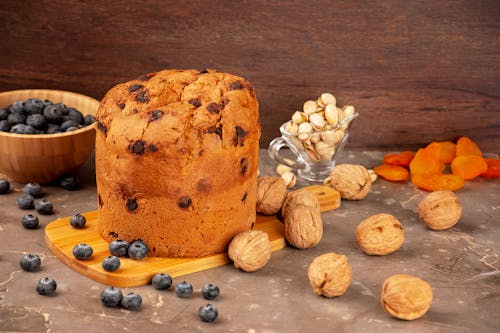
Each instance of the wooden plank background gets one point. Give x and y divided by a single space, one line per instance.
416 70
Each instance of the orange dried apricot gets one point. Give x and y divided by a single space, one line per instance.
493 168
426 162
438 182
444 150
391 172
468 166
466 146
403 158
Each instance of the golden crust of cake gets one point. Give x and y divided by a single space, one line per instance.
176 161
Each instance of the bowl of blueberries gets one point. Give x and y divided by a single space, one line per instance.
45 133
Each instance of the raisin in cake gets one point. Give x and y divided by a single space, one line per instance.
176 161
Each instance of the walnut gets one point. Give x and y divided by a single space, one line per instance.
406 297
271 192
299 197
440 210
303 226
352 181
250 250
330 274
380 234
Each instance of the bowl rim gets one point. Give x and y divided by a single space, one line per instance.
54 135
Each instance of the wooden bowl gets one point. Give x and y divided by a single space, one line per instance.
43 158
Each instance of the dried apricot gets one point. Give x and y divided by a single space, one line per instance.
493 168
466 146
403 158
444 150
426 162
394 173
468 166
438 182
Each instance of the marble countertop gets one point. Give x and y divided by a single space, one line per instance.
461 264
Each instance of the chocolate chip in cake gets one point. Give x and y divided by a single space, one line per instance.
213 108
223 102
152 148
251 90
184 202
135 87
131 204
203 71
195 102
203 185
135 110
102 128
146 77
216 130
244 197
137 147
155 115
240 134
99 199
142 97
243 166
113 234
236 86
121 105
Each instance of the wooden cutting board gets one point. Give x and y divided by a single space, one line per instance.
61 238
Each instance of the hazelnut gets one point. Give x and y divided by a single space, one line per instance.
330 274
299 197
303 226
380 234
406 297
250 250
271 192
352 181
440 210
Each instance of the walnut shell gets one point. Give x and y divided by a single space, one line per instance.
380 234
303 226
299 197
352 181
271 192
440 210
406 297
250 250
330 274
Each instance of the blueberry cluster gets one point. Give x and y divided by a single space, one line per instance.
36 116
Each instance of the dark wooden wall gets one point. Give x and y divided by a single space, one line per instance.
416 70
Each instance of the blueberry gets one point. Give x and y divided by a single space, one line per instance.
137 250
70 183
53 113
18 129
47 102
16 118
184 289
118 248
111 296
67 124
4 113
131 301
208 312
30 262
30 221
44 207
161 281
53 128
37 121
33 189
17 107
111 263
4 186
75 115
34 106
4 126
88 120
77 221
82 251
210 291
72 128
25 201
29 130
46 286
